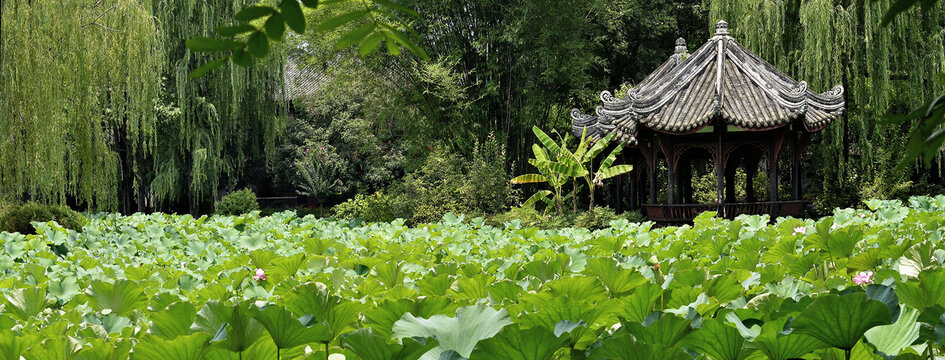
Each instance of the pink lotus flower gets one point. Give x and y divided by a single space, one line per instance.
260 274
800 230
865 277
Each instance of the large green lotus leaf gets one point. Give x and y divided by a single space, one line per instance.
55 348
25 303
232 326
121 297
919 257
186 347
99 349
840 321
368 345
311 299
264 349
550 310
389 273
578 287
435 285
344 317
514 344
624 347
778 346
641 302
660 328
173 321
382 317
928 291
717 340
891 339
472 288
460 333
12 345
287 331
64 289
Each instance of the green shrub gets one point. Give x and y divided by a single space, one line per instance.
377 207
18 218
238 203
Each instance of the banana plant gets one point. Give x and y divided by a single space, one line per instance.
579 164
546 174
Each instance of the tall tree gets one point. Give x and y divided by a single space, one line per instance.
78 80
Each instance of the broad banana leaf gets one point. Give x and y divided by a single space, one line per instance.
582 146
529 178
538 196
539 152
600 146
546 140
616 170
611 158
572 170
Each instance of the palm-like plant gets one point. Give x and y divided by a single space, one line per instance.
577 164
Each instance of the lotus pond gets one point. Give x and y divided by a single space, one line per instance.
861 284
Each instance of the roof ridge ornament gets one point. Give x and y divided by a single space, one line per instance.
680 46
721 28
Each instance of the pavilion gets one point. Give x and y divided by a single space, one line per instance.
723 104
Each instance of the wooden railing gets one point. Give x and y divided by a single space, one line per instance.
683 213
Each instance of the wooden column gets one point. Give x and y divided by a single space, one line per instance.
795 167
772 171
633 176
719 165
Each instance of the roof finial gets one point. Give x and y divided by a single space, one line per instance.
680 46
721 28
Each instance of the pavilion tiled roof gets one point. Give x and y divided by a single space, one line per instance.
721 80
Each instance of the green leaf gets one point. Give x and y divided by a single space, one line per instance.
186 347
891 339
356 35
717 340
310 3
624 347
287 331
514 344
546 140
532 200
368 345
275 27
242 58
391 44
11 345
293 15
667 330
616 170
232 326
64 289
371 43
233 30
23 304
399 37
258 44
253 12
460 333
528 178
929 290
572 170
207 67
207 44
121 297
173 321
336 21
840 321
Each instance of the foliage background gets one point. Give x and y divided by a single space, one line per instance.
109 119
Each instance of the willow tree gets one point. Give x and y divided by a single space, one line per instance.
78 80
883 69
210 127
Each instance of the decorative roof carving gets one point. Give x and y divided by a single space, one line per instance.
721 80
